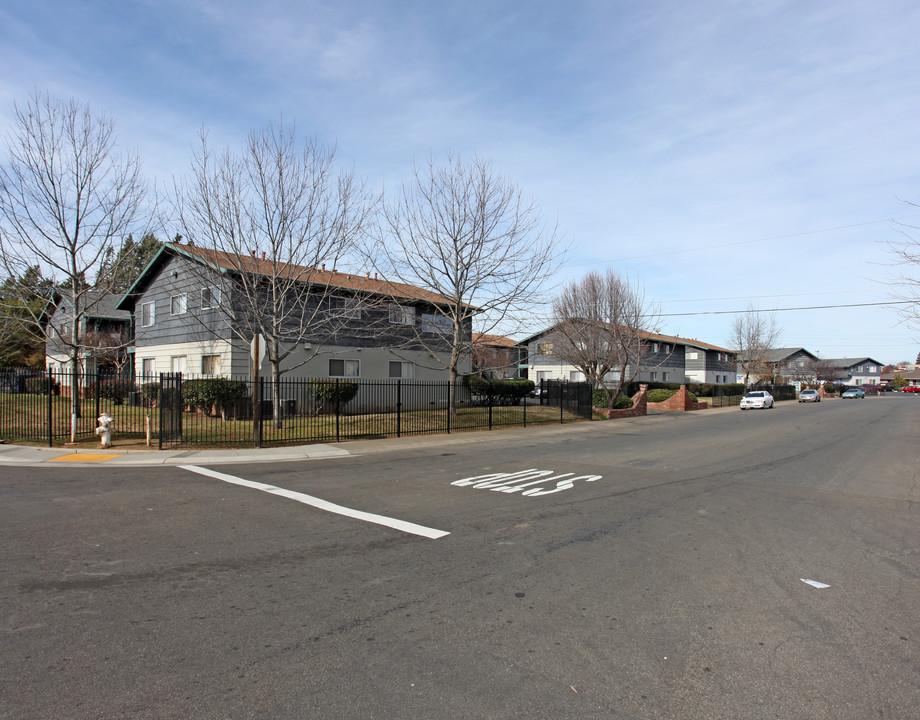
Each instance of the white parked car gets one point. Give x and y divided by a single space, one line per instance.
757 399
809 396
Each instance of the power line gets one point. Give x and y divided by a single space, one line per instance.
789 309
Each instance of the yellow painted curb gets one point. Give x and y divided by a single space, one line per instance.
83 457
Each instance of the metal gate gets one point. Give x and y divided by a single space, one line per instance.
170 406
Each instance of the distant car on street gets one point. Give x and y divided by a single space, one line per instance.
809 396
757 399
853 393
911 388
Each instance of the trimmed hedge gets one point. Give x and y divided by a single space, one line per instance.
206 393
39 386
599 399
499 392
115 390
330 392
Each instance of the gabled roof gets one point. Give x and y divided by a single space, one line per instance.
250 264
847 363
649 336
778 355
98 305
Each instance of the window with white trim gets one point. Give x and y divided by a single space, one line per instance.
348 307
402 314
148 313
178 304
210 297
402 370
148 367
210 364
544 348
177 362
692 355
432 323
344 368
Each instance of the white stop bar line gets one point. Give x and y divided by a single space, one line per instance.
400 525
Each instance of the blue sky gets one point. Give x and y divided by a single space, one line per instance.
718 152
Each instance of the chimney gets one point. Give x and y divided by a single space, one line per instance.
324 267
368 274
252 252
263 254
375 276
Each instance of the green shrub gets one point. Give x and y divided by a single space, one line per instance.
210 392
599 399
659 395
151 392
329 393
499 392
115 390
39 386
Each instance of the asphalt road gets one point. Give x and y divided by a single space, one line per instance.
657 573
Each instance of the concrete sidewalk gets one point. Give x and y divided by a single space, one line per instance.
23 456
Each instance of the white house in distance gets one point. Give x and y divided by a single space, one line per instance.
668 359
856 371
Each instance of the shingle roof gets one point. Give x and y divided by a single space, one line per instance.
654 337
252 264
499 340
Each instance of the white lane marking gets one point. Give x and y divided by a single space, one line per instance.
814 583
400 525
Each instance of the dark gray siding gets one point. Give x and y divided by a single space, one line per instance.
176 277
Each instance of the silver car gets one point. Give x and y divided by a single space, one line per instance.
809 396
757 399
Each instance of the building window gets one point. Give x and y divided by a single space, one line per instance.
544 375
653 376
210 364
439 324
344 368
544 348
692 355
177 304
148 314
664 377
148 367
404 370
402 314
349 308
576 376
210 297
177 362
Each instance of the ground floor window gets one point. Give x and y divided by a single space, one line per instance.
177 362
210 364
403 370
148 367
344 368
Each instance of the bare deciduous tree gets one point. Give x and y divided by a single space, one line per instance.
277 213
66 199
464 232
601 326
753 334
906 254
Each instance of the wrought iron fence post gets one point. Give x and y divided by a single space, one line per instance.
261 395
98 393
50 409
490 396
524 403
561 400
398 408
447 387
337 407
160 402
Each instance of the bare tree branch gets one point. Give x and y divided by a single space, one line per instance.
279 213
753 334
463 231
601 326
66 199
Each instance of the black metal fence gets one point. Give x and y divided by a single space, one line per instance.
172 410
